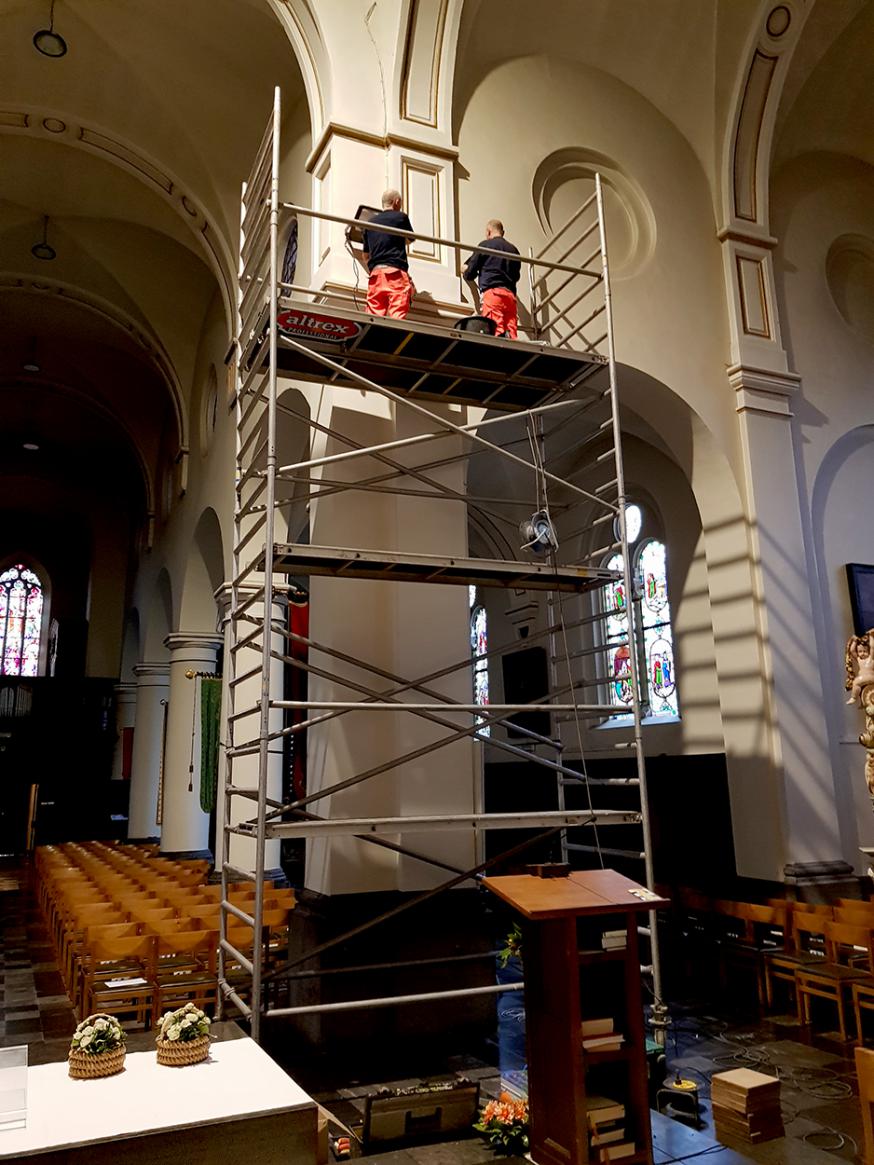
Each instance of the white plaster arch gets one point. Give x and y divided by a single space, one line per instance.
127 156
304 31
91 404
748 141
120 320
159 620
424 64
130 648
204 575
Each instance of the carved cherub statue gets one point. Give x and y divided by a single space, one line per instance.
859 661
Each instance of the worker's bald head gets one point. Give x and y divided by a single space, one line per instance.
392 200
494 227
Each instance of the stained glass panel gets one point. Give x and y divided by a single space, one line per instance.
479 645
21 605
618 659
658 639
654 613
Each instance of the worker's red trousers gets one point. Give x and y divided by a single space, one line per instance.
499 304
389 292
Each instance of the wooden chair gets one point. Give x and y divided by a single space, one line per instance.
119 977
148 914
92 935
169 926
75 925
186 972
833 978
865 1074
804 944
764 933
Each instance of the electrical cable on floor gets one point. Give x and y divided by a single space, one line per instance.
819 1083
718 1148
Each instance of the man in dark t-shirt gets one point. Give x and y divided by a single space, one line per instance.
389 289
497 276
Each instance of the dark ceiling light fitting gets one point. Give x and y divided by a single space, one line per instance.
47 41
31 364
44 249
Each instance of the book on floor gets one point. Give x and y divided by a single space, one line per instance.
610 1043
617 1152
606 1136
596 1027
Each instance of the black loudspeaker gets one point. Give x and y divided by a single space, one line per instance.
355 234
526 678
480 325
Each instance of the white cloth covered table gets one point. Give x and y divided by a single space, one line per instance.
152 1105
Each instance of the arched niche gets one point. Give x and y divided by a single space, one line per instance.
204 574
159 619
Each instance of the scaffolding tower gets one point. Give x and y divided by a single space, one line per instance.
526 394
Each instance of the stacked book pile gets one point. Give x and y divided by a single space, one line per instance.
605 1119
599 1036
746 1107
614 940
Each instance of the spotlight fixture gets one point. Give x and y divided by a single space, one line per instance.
47 41
30 446
31 364
538 534
44 249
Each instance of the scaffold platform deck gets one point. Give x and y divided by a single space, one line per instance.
301 559
423 361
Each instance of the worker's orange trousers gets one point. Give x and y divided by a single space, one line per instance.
499 304
389 292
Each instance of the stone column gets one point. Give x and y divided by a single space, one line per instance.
151 698
184 826
125 715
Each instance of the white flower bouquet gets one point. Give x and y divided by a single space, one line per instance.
183 1037
97 1047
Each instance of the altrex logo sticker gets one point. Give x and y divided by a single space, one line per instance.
295 322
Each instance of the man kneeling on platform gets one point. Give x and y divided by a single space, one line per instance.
389 289
497 276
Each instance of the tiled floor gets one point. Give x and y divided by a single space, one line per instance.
821 1112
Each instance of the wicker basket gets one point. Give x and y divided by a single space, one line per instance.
178 1053
90 1066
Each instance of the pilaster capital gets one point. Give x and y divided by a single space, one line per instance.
193 646
763 390
125 692
152 674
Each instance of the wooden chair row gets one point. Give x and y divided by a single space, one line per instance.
821 952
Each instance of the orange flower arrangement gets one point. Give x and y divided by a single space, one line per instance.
504 1123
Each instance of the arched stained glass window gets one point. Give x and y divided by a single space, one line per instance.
618 658
479 645
653 614
658 639
21 608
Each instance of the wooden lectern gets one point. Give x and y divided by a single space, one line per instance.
565 984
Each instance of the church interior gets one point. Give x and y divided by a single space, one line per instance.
476 728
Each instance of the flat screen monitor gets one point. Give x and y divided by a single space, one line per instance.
860 578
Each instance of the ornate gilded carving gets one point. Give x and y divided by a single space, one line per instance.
859 660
